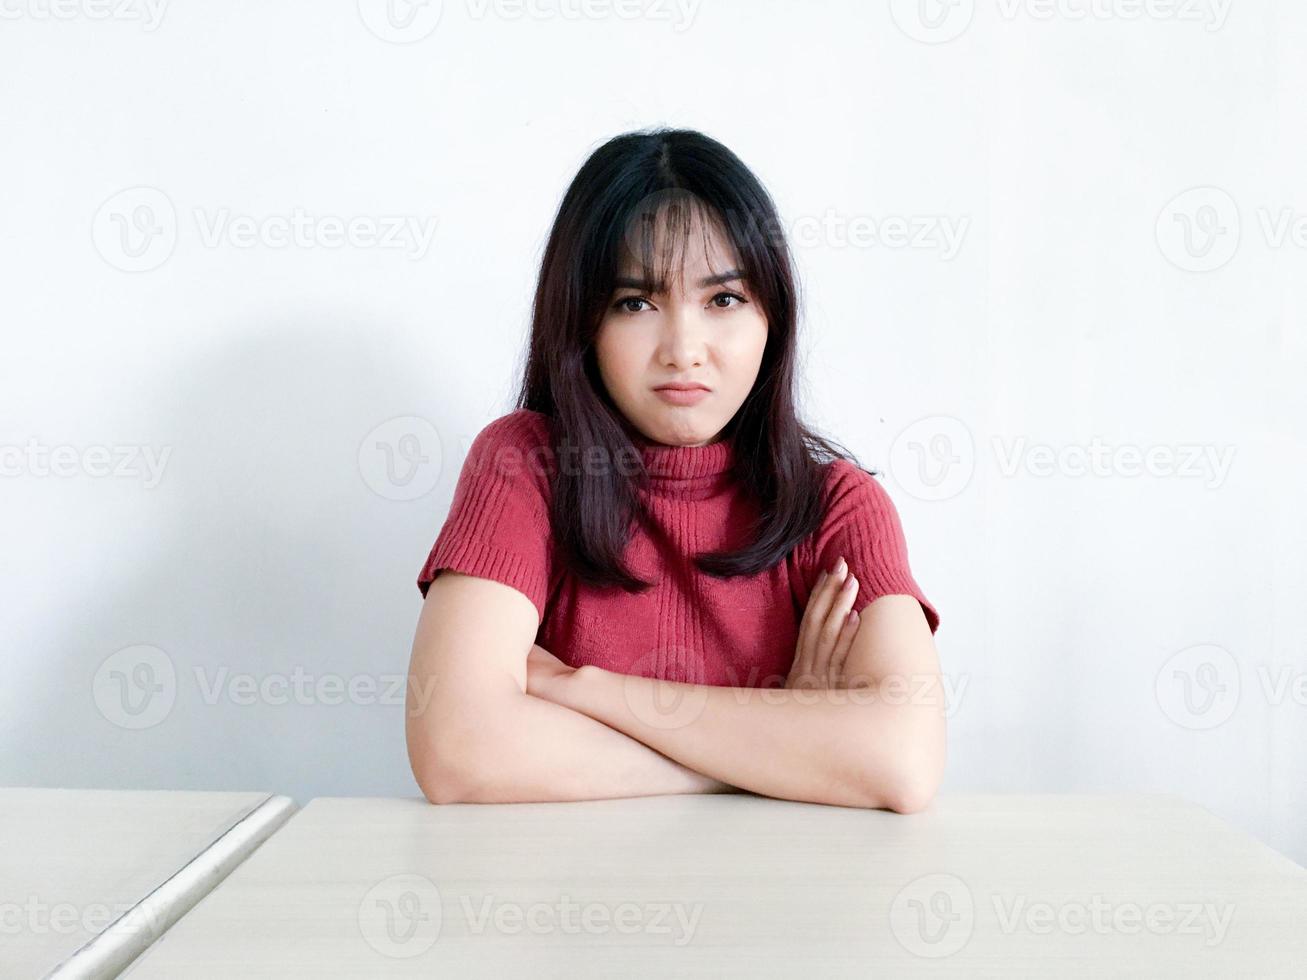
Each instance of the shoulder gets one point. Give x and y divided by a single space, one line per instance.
856 504
512 448
848 487
522 428
861 523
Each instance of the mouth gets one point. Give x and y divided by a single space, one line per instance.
682 394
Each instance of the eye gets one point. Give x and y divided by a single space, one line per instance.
623 304
621 307
735 296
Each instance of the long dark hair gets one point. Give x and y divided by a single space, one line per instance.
630 185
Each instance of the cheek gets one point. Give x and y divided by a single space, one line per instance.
749 342
614 360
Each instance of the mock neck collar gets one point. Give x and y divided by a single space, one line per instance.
686 471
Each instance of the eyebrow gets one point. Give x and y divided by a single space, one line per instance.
730 275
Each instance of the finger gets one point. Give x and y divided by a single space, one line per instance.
806 628
831 626
809 624
819 604
840 654
805 672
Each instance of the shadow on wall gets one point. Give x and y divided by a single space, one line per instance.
255 633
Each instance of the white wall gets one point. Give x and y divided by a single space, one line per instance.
1068 309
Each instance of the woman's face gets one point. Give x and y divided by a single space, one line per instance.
702 327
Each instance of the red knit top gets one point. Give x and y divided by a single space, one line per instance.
690 626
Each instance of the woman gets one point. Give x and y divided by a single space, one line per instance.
653 526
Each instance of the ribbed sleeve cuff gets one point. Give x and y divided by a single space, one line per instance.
473 557
891 584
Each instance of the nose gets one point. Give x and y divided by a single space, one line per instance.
683 339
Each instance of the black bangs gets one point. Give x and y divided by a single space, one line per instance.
658 231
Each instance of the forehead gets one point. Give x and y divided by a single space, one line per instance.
686 246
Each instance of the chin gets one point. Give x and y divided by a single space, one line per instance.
690 435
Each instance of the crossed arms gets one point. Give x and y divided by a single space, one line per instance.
492 719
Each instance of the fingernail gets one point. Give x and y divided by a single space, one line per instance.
850 584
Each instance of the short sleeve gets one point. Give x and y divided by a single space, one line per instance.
498 523
862 524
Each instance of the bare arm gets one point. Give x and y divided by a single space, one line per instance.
880 742
474 734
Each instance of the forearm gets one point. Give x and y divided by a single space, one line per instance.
844 747
538 751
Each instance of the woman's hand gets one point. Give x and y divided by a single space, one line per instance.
826 632
545 672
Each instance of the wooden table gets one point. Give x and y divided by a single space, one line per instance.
745 886
89 878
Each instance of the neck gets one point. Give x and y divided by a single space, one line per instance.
686 471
